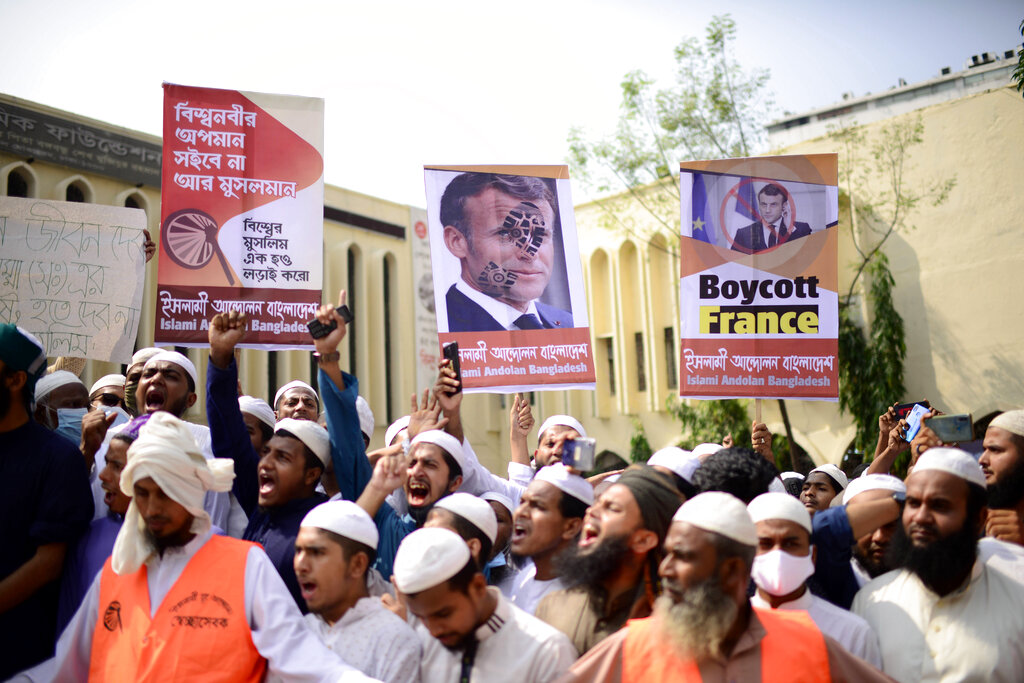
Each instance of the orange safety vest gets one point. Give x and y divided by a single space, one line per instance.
792 650
199 632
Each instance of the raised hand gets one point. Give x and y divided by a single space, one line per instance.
426 415
327 314
226 332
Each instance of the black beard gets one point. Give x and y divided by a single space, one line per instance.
935 563
590 569
874 569
1007 493
419 514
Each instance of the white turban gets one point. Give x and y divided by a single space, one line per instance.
309 433
445 442
178 359
703 450
952 461
574 485
366 420
395 427
834 472
1012 421
166 452
476 511
57 378
345 518
142 355
873 482
428 557
107 381
684 463
258 408
294 384
564 421
501 499
779 506
720 513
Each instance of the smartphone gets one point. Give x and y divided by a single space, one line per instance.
318 330
579 453
451 352
914 421
953 428
903 409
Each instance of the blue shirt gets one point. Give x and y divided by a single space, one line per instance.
229 437
392 529
833 577
84 562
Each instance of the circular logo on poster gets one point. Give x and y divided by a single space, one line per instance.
189 237
421 229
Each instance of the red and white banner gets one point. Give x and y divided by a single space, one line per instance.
758 289
241 216
508 285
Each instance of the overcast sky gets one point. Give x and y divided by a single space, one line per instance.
414 83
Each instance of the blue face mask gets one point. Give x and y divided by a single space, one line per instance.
69 423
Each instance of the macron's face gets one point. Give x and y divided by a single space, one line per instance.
510 242
771 207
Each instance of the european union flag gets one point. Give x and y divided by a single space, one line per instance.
746 202
700 225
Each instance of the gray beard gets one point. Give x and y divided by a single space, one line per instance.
698 624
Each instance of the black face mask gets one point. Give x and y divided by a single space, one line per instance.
953 555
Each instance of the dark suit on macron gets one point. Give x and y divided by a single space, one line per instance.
465 315
742 242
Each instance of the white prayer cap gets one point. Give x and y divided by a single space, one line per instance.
258 408
107 381
872 482
473 509
1012 421
310 433
166 452
365 417
143 355
504 500
705 449
445 442
953 461
178 359
684 463
776 486
428 557
786 476
720 513
779 506
57 378
563 420
295 383
834 472
395 427
558 475
345 518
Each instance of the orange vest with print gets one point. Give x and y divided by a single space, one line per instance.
793 649
199 632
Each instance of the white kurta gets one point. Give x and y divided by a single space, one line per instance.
374 640
278 631
975 633
513 647
525 591
846 628
1006 557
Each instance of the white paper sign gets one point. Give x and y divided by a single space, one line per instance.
72 274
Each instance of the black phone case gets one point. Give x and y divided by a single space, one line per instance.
451 352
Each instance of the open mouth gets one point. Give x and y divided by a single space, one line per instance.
308 589
519 531
419 492
155 399
267 485
589 535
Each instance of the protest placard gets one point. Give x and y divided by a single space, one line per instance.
508 285
72 274
242 215
758 291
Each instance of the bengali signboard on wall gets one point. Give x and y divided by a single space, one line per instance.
72 274
758 285
241 216
508 285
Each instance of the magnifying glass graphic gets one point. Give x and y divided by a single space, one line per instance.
190 238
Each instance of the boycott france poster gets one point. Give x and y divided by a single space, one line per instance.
758 288
508 284
241 216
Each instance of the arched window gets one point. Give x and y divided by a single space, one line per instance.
74 193
17 185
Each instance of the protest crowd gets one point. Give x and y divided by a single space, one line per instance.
142 546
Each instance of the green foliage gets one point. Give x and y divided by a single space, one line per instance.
1018 73
714 109
710 421
640 450
873 175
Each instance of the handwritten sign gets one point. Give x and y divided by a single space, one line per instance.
72 274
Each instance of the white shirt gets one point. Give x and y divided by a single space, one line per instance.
504 314
846 628
1006 557
374 640
525 591
513 646
225 512
278 631
976 633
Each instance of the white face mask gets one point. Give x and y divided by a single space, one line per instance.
778 573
